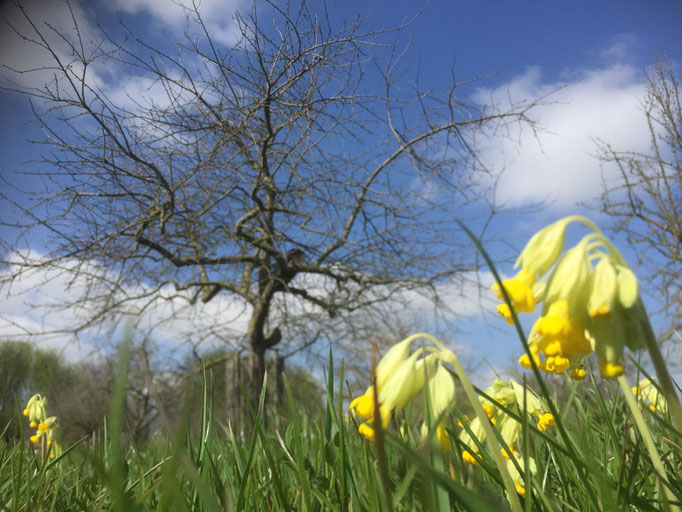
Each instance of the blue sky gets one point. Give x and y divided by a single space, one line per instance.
597 50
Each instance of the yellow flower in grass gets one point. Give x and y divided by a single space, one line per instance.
35 409
648 395
512 396
441 396
590 303
520 291
518 478
400 377
46 427
546 420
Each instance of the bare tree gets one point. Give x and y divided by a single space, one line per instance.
645 200
296 171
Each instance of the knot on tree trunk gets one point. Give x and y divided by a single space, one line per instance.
273 338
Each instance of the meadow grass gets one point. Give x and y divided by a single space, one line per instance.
315 465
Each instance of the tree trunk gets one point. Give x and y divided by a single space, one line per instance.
256 376
279 388
234 401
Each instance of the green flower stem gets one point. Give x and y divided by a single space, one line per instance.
649 443
665 382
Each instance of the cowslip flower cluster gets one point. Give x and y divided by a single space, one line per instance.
400 377
648 395
590 302
46 427
509 394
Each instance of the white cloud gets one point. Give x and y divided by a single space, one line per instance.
217 15
42 305
560 167
21 47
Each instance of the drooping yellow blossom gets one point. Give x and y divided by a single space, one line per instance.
399 379
518 477
546 420
648 395
511 395
46 427
578 373
468 457
443 438
590 302
441 396
35 409
544 248
520 291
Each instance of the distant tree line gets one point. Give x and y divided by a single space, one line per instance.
80 393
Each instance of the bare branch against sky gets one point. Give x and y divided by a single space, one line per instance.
645 199
301 172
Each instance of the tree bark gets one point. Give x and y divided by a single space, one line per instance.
257 374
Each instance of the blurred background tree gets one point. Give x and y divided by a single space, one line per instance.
299 172
644 201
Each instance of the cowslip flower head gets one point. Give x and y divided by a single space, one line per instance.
399 379
648 395
46 427
590 302
510 394
35 409
405 382
521 294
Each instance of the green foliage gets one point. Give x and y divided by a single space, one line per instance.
23 369
316 464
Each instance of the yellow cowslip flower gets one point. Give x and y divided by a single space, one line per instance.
604 288
648 394
578 373
55 449
367 430
443 438
441 390
407 380
400 377
441 435
590 303
511 395
45 428
518 477
468 457
520 291
441 395
546 420
35 409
